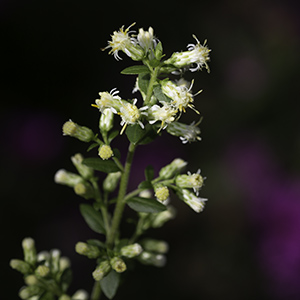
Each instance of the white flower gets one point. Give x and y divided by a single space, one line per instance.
187 133
196 203
165 114
108 100
146 39
131 114
121 41
189 180
180 94
195 58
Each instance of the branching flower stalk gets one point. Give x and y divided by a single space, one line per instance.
156 111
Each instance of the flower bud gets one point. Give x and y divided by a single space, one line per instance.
194 181
106 120
55 258
80 295
149 258
161 218
42 271
21 266
64 263
161 193
118 264
29 291
31 280
157 246
84 189
82 133
102 270
131 250
111 181
105 152
172 169
88 250
67 178
29 251
85 171
196 203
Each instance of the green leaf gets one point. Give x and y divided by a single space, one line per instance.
145 185
106 166
160 95
143 81
147 205
110 283
112 135
158 51
138 135
149 173
92 217
96 243
66 279
92 146
133 70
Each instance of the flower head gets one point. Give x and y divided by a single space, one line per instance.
187 133
105 152
196 203
161 193
146 39
189 180
195 58
180 94
108 100
165 114
131 114
121 41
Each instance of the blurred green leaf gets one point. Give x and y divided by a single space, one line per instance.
160 95
110 283
134 70
66 279
138 135
145 185
149 173
106 166
92 217
143 81
92 146
147 205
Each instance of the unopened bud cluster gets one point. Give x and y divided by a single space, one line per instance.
44 273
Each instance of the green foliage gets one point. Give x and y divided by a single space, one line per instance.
98 164
110 283
147 205
92 217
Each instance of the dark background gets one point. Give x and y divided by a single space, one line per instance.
246 243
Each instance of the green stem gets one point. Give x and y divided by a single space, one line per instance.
132 194
120 200
152 80
96 292
103 206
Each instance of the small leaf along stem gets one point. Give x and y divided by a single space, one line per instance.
120 201
96 292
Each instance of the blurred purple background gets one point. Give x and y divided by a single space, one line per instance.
246 243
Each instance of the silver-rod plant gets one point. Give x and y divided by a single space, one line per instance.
161 103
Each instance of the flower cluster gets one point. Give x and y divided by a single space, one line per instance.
45 274
169 99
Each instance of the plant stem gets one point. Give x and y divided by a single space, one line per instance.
151 84
96 292
120 201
